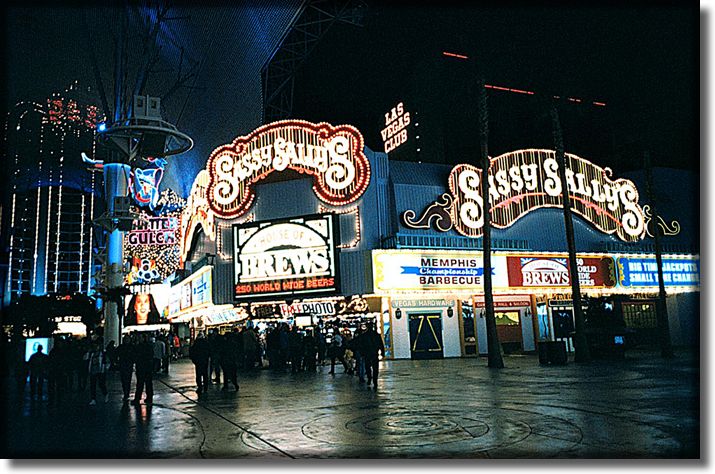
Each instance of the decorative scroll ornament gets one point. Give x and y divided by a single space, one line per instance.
354 305
525 180
439 212
667 230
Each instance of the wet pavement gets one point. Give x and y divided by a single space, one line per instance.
642 407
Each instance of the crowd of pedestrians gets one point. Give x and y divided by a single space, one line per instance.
76 364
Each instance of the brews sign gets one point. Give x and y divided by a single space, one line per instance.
288 257
525 180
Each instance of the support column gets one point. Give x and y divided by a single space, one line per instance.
116 184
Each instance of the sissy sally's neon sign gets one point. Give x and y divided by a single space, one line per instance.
525 180
333 156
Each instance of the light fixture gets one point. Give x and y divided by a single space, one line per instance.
450 312
398 313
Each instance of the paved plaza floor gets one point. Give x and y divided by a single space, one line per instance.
642 407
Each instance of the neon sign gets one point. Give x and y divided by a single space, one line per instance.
296 256
333 156
537 271
523 181
395 132
643 272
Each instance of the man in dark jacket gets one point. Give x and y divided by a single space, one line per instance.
371 346
200 353
125 361
38 372
145 370
230 354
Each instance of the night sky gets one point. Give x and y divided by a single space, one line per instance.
641 61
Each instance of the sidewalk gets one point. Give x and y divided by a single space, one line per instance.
643 407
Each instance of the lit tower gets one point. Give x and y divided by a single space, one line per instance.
130 141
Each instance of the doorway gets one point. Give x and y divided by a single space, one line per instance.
426 335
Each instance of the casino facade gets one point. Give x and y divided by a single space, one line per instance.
302 222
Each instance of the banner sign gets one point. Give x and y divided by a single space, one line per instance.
284 258
395 132
433 270
535 271
333 156
525 180
644 271
192 292
154 231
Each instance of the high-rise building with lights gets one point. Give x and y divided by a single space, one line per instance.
51 196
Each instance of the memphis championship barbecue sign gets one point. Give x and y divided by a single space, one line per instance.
288 257
523 181
332 155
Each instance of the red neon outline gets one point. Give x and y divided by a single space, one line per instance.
454 55
322 130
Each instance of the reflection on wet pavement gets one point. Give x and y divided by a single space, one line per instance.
643 407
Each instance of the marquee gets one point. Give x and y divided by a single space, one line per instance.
525 180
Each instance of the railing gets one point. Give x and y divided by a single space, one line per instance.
421 241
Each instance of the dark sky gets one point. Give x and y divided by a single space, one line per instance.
641 61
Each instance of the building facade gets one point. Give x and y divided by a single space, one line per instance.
303 220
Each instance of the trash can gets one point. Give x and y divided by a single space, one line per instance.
552 353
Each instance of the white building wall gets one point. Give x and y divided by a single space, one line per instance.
401 336
450 334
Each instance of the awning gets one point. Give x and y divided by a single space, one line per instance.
145 328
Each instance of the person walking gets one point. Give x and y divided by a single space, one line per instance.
250 347
310 351
125 362
336 350
359 352
295 349
159 351
214 341
229 352
145 370
372 346
57 371
97 367
200 353
38 371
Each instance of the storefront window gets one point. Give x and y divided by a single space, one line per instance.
386 335
510 318
640 315
468 328
543 318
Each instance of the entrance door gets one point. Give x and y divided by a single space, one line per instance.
563 326
426 335
509 330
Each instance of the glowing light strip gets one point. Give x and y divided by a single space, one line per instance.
90 259
81 245
508 89
59 213
37 232
454 55
356 210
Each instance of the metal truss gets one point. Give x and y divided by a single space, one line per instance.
309 25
